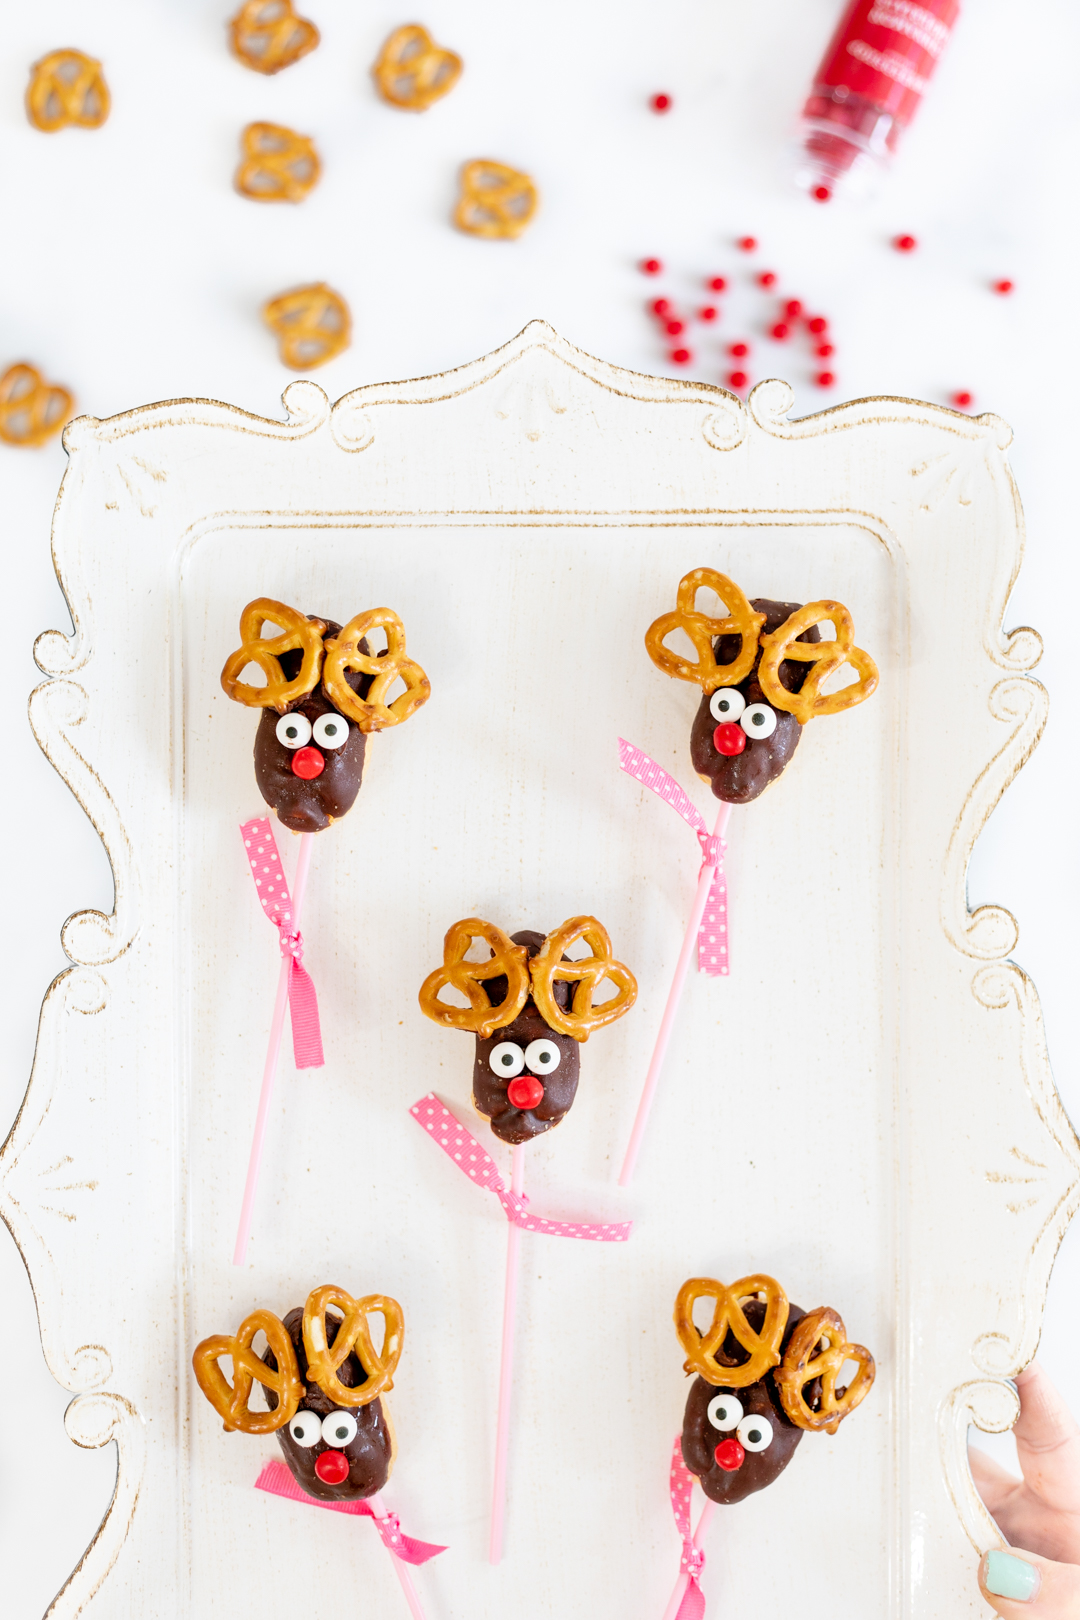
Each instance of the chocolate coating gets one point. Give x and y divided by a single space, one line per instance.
370 1452
738 778
512 1124
700 1439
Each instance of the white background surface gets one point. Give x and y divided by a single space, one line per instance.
131 271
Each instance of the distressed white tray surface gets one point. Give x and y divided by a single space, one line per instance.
864 1108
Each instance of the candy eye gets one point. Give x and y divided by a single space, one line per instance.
339 1428
293 730
727 703
506 1060
542 1057
758 720
330 731
755 1433
306 1428
724 1411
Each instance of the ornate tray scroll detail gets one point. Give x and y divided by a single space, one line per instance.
92 1421
992 1407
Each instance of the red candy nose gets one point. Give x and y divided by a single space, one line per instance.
525 1092
333 1466
728 738
307 763
729 1456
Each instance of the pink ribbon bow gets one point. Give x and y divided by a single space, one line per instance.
713 933
276 1479
692 1606
273 892
463 1148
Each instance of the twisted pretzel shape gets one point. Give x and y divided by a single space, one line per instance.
702 1349
826 656
278 164
67 87
230 1401
589 973
344 652
312 325
353 1334
31 410
412 71
702 631
802 1366
298 633
496 201
267 35
468 977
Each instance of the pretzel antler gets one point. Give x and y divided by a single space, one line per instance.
468 977
344 652
589 973
354 1334
826 656
703 1349
299 633
741 621
231 1400
804 1363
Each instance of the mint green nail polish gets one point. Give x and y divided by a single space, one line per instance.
1010 1577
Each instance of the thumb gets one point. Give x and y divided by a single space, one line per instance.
1023 1586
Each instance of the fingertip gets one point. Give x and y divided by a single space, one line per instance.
1008 1582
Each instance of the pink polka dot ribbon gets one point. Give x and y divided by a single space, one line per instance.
273 893
276 1479
693 1559
465 1151
713 957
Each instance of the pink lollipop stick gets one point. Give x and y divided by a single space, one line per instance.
506 1369
675 1601
667 1023
273 1053
400 1569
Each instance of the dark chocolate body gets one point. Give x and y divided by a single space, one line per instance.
512 1124
370 1452
700 1439
738 778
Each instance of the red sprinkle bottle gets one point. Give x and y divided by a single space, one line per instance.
866 90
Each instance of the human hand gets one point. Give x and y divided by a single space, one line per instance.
1039 1513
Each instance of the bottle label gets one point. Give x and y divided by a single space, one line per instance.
886 50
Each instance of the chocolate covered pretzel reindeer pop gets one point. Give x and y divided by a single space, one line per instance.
531 1009
761 669
324 1383
324 692
767 1373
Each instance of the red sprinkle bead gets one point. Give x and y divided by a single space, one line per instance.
716 284
793 309
708 313
747 243
737 379
824 379
824 350
904 244
651 267
767 278
660 103
821 194
738 350
1003 287
680 356
660 306
816 324
962 400
780 331
673 328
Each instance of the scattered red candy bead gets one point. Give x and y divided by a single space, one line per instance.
673 328
793 309
904 244
737 379
680 356
660 306
1003 287
767 278
780 331
738 349
716 284
651 267
747 243
963 400
821 194
824 350
708 313
824 379
817 323
660 103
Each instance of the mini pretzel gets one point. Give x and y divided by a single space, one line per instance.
468 977
702 1349
354 1334
312 325
804 1363
741 621
67 88
267 35
31 410
412 71
589 973
278 164
826 656
496 202
298 633
231 1400
344 652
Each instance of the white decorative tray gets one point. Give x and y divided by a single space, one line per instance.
864 1108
